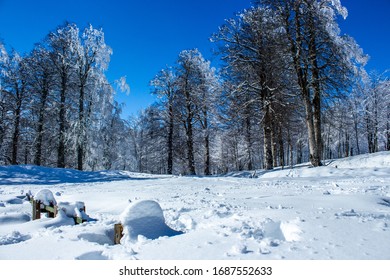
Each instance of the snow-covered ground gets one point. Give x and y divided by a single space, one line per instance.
339 211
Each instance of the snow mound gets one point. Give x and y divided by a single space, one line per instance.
46 197
376 160
145 218
281 231
272 230
291 230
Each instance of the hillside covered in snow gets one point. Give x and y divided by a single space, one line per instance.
338 211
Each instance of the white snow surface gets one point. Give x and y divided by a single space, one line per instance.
338 211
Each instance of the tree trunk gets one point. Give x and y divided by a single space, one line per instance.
207 143
267 129
290 154
62 127
170 139
388 129
313 110
355 120
39 143
281 147
317 149
16 133
248 141
81 130
207 155
311 132
274 145
346 151
190 147
189 132
370 136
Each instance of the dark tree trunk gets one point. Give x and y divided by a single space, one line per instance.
356 134
62 127
274 145
39 143
281 146
313 109
81 132
388 129
267 129
248 140
207 155
16 133
190 146
316 156
170 139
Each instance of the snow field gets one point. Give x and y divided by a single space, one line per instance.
301 213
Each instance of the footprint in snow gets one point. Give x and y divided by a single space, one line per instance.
385 202
13 238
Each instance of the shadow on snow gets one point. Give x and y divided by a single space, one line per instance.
36 175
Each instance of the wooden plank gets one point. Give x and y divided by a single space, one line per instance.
52 210
78 220
118 233
36 209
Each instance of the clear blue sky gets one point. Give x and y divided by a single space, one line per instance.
147 35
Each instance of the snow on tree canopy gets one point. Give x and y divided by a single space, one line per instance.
45 197
145 218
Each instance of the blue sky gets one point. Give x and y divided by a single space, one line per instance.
147 35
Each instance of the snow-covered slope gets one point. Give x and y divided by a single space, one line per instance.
339 211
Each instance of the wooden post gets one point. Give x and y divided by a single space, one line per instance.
118 229
36 209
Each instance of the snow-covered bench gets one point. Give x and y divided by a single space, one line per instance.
44 202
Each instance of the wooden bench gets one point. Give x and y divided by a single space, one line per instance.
51 210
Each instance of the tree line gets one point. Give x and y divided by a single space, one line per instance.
56 104
289 89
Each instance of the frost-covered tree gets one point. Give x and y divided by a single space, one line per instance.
376 112
69 103
323 60
195 88
63 45
3 103
252 46
185 112
13 87
92 59
165 86
41 81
